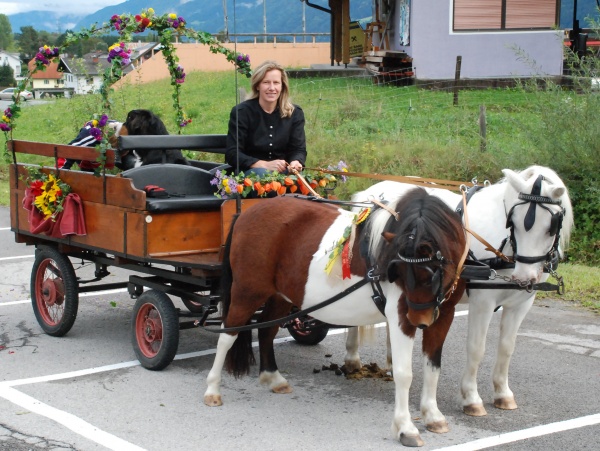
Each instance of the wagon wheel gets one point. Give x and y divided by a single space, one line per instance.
54 291
311 336
193 306
154 330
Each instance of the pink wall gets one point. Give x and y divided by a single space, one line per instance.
197 57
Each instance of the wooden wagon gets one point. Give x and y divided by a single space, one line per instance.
171 245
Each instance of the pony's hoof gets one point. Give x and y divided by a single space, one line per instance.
411 440
282 389
439 427
475 410
352 365
505 403
213 400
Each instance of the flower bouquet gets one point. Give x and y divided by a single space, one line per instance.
48 193
53 209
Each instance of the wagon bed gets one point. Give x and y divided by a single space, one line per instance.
172 246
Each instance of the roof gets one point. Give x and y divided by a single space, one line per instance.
91 64
51 71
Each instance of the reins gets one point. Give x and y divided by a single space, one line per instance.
419 181
293 316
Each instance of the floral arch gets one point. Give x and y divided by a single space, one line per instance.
166 26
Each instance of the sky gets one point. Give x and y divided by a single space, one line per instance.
85 7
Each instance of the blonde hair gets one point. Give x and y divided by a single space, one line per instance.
285 105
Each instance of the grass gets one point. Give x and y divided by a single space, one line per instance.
375 129
581 286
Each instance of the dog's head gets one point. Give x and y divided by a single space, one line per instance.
143 122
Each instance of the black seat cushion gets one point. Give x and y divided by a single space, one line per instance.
188 187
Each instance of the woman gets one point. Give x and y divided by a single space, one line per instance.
266 132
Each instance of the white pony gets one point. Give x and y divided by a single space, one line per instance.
531 213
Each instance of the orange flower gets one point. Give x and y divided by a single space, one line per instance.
268 187
257 186
288 181
240 189
323 183
275 185
281 191
293 188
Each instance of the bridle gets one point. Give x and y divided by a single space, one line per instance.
535 199
437 278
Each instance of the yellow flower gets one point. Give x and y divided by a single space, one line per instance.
150 11
143 15
172 16
5 119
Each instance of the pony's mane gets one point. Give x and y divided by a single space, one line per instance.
551 177
431 217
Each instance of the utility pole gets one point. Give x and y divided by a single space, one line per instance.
226 19
304 20
265 19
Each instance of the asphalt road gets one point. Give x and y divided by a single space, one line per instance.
86 391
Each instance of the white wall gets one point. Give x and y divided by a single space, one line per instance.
434 47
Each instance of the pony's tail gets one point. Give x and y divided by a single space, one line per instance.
241 355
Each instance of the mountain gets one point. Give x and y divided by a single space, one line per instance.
283 16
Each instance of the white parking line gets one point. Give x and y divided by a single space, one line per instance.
81 295
68 420
17 257
524 434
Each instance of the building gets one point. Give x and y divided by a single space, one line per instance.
495 39
12 60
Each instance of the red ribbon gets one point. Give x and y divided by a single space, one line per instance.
346 261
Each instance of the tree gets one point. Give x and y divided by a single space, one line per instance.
29 42
7 76
6 35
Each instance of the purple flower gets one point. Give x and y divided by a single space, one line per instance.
8 113
103 120
4 127
96 133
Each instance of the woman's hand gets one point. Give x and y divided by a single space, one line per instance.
274 165
296 165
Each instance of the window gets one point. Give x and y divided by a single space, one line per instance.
46 82
505 14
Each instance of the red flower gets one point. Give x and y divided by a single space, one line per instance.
138 18
145 22
36 187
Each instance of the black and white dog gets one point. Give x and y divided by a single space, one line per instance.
145 122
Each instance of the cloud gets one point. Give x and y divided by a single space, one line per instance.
10 7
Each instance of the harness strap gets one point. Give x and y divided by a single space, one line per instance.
542 286
298 314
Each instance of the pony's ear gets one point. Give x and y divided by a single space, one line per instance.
515 180
557 192
392 272
388 236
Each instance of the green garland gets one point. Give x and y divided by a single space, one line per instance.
166 26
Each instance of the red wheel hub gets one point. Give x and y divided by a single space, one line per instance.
53 292
149 330
152 327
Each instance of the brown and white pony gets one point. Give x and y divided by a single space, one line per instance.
276 256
